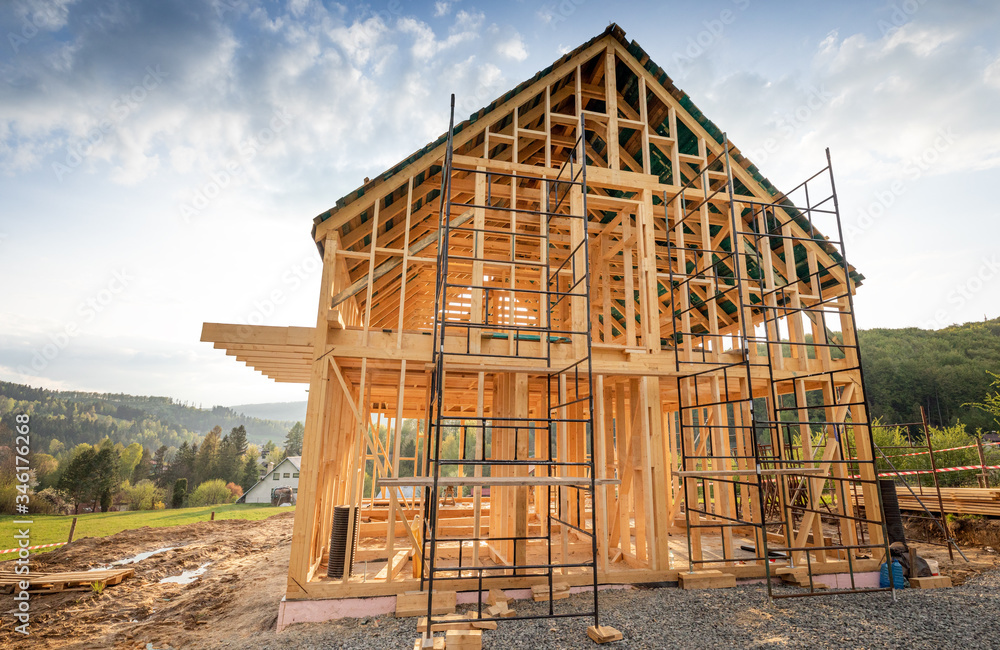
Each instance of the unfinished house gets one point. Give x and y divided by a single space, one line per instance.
578 340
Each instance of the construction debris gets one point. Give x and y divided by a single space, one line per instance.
500 610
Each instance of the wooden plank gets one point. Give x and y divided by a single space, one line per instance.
712 579
414 603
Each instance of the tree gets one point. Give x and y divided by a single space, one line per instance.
211 493
158 472
55 447
180 493
129 459
45 467
251 473
238 438
293 441
207 458
144 495
184 461
106 464
78 480
236 490
231 450
276 456
991 404
143 469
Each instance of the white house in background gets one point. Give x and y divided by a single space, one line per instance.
284 474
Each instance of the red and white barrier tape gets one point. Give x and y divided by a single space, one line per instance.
32 548
930 471
937 451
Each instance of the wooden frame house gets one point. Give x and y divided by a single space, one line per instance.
580 335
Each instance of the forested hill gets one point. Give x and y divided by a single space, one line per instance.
75 417
281 411
939 369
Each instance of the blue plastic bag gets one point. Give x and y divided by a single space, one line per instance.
899 582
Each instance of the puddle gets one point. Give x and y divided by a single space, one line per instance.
136 558
187 577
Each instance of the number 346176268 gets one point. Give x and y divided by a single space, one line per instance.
21 450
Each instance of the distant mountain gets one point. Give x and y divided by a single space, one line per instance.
282 411
73 417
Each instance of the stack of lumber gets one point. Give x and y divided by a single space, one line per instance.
963 501
48 583
959 501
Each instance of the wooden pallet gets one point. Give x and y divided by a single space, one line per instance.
50 583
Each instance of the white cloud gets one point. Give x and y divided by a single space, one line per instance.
921 95
513 48
992 74
442 9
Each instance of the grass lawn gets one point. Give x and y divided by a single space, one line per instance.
48 529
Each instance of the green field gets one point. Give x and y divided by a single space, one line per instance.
48 529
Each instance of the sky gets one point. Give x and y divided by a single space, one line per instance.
161 162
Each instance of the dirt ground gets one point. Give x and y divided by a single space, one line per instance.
236 598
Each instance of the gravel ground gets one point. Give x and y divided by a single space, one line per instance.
967 616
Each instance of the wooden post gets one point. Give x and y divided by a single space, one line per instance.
937 483
983 479
212 518
72 529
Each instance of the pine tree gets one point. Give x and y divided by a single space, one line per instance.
180 493
251 474
159 469
238 436
293 441
105 474
207 459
